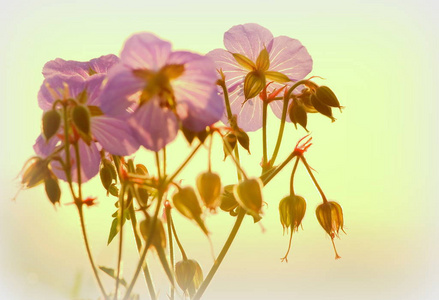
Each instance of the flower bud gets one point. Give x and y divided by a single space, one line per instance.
248 193
189 275
51 123
209 188
243 140
34 172
53 191
106 176
297 114
292 210
81 119
327 96
330 216
321 107
227 199
159 236
187 203
229 143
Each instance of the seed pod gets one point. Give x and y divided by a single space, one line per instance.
209 188
297 114
330 216
53 191
189 275
243 140
81 119
248 193
187 203
227 199
51 123
292 210
327 96
321 107
35 171
159 237
230 140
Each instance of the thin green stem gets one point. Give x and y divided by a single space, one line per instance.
121 223
180 246
236 160
171 245
264 135
157 161
292 176
209 154
273 173
286 99
172 177
164 162
226 99
313 178
221 256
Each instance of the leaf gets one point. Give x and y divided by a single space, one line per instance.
263 61
277 76
244 61
110 272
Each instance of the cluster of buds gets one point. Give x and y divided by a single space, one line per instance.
312 99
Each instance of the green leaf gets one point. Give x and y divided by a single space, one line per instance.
277 76
110 272
263 61
244 61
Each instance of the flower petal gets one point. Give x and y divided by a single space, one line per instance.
290 57
116 96
249 114
98 65
248 39
154 126
114 135
145 51
233 71
43 148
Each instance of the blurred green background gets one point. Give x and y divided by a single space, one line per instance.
378 160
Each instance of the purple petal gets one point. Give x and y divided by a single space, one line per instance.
196 117
114 135
122 85
145 51
43 148
233 71
248 39
290 57
71 67
249 114
154 126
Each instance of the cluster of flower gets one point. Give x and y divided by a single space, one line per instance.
98 112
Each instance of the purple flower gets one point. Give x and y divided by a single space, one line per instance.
163 89
65 83
253 59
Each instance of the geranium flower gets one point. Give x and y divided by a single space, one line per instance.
163 89
111 134
254 58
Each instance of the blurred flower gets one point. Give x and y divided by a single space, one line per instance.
254 56
162 88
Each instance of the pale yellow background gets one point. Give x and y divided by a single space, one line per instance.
378 160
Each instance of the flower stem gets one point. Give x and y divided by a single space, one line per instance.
221 256
264 135
180 246
313 178
121 223
286 100
171 245
273 173
172 177
292 176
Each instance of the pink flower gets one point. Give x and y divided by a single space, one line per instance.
254 58
163 89
68 80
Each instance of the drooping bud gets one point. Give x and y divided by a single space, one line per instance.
189 275
51 123
81 119
243 139
106 176
34 172
327 96
229 143
254 83
209 188
330 216
321 107
53 191
297 114
187 203
248 193
227 199
292 210
159 236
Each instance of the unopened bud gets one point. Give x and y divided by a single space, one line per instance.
106 177
229 143
53 191
187 203
243 140
248 193
327 96
292 210
330 216
51 123
189 275
159 236
227 199
321 107
209 188
81 119
297 114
